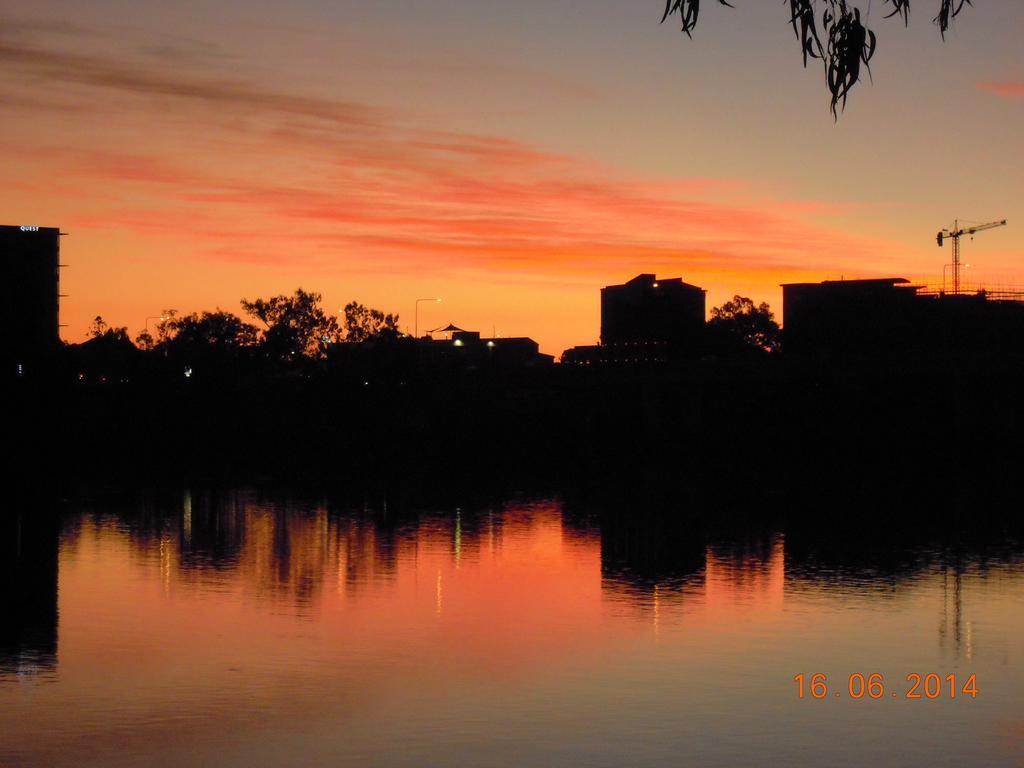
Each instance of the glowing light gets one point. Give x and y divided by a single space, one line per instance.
187 516
458 536
458 342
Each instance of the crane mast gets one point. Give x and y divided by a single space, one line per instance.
955 234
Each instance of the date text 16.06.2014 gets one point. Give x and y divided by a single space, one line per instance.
875 686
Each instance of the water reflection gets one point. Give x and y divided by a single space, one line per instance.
300 554
28 585
951 567
240 619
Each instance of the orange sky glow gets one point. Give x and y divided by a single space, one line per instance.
193 169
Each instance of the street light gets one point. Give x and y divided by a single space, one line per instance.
154 317
416 327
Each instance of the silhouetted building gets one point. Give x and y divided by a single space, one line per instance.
647 310
638 353
458 352
846 316
889 316
467 349
646 320
29 295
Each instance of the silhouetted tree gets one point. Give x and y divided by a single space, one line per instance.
209 342
296 326
98 329
740 325
144 340
363 323
165 328
218 330
107 356
848 43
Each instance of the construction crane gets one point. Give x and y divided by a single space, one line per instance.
955 234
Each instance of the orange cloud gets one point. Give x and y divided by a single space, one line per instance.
203 167
1008 89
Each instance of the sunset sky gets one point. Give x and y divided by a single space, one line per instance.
511 158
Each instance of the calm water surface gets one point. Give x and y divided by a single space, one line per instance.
228 629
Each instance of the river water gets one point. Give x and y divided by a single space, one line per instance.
249 629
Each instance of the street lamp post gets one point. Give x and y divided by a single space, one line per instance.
416 327
944 268
153 317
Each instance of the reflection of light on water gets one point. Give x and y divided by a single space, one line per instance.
960 642
725 585
341 568
458 536
657 608
748 579
437 606
165 563
186 524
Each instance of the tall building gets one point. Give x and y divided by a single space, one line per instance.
29 293
648 310
646 320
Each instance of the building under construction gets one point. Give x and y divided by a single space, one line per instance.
892 317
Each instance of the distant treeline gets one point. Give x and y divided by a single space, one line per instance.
281 335
294 335
213 394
